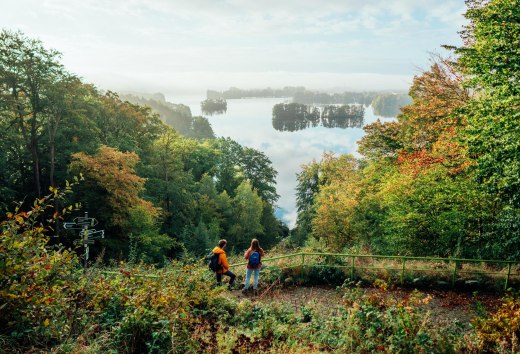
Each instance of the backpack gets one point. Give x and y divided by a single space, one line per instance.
254 259
213 262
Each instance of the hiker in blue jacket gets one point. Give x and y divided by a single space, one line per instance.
253 255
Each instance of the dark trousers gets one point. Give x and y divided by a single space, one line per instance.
230 274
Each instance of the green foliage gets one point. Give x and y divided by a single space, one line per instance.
381 140
148 245
247 210
236 163
201 128
492 135
28 75
274 230
37 290
53 124
325 275
443 178
49 304
490 59
201 238
491 53
306 191
373 323
126 126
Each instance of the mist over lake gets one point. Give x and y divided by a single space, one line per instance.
249 122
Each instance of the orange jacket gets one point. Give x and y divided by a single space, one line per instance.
222 260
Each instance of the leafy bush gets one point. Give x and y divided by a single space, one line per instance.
501 331
37 289
325 276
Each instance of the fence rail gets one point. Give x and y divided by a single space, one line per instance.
454 270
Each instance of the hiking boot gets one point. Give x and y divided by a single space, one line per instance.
233 287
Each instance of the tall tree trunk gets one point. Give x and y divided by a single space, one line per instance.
36 166
52 167
52 147
31 142
34 154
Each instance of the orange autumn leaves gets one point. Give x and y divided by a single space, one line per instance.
406 184
114 171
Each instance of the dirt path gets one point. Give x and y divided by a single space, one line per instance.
444 306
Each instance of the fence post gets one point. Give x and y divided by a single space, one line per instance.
454 275
402 271
303 260
508 274
352 269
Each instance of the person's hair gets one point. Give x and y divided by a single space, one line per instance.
255 245
222 243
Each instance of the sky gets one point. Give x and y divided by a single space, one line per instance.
180 47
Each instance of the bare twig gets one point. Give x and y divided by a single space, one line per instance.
277 281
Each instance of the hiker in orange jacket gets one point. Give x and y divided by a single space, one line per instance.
224 269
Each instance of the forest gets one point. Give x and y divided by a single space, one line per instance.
440 180
443 178
155 177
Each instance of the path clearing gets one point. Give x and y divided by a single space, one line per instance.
445 307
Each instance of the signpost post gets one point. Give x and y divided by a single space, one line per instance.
87 235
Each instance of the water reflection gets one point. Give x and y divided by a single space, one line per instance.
296 116
213 112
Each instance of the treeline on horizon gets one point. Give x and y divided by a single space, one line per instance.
235 93
297 116
157 193
443 179
384 103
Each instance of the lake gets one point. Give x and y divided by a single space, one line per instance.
249 122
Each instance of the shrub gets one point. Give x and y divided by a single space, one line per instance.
38 283
500 332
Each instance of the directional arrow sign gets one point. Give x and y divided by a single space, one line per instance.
96 234
70 226
82 221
